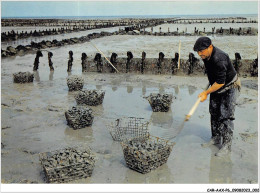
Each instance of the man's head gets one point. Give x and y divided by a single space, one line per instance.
203 47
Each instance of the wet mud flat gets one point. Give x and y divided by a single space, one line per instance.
33 122
33 118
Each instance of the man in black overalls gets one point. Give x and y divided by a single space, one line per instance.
224 86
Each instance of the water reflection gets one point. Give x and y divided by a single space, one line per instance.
71 96
220 168
164 119
161 89
144 90
129 89
177 89
78 135
69 73
161 124
97 111
51 75
98 87
191 89
37 76
114 88
160 175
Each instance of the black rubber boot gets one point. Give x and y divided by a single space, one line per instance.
214 141
226 146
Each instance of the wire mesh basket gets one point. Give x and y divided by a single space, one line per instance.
23 77
79 117
67 164
144 155
75 83
160 102
128 128
90 97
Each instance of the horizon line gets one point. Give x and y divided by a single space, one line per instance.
134 15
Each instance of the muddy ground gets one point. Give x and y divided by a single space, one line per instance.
33 121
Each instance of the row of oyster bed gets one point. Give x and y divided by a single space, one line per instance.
159 102
82 116
71 163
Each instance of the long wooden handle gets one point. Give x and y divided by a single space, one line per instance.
194 107
105 57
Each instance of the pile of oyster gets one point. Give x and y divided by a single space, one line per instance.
23 77
79 117
128 128
144 155
90 97
67 164
160 102
75 82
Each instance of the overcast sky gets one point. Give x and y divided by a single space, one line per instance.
124 8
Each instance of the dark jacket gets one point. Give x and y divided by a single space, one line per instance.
219 67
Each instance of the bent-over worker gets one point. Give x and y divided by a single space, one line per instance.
223 90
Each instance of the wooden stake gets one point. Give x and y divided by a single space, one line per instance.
105 57
179 54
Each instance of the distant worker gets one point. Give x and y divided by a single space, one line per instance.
223 92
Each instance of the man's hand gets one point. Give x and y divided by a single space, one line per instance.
203 96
